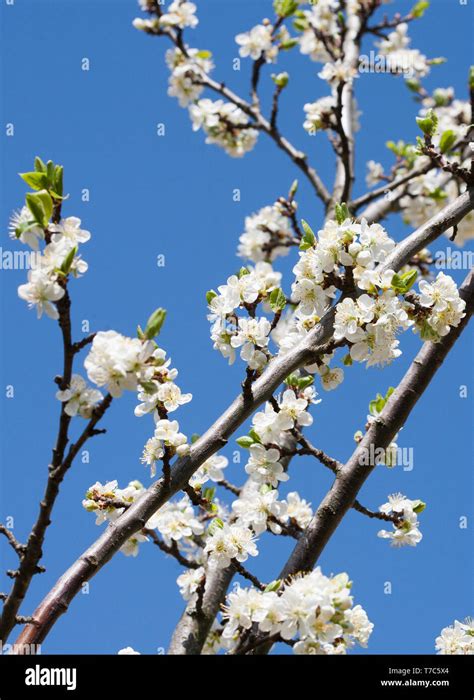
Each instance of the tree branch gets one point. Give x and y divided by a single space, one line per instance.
63 592
342 495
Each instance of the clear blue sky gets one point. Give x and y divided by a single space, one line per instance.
173 196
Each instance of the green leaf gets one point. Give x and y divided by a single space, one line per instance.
285 8
342 213
293 190
437 194
58 180
347 360
402 283
419 9
210 295
245 441
209 493
41 206
288 44
377 405
24 227
280 79
140 333
291 380
36 180
418 507
471 77
305 382
68 260
447 141
273 586
413 84
428 124
40 167
300 24
216 524
438 61
50 170
254 435
277 300
204 54
149 387
243 271
309 239
155 323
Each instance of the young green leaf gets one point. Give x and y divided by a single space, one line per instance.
155 323
277 300
285 8
68 260
36 180
40 167
419 9
210 295
309 238
447 141
245 441
273 586
41 206
254 435
342 212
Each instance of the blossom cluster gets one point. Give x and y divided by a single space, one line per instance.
119 363
186 73
427 194
444 306
229 332
104 500
400 58
314 610
224 124
50 266
267 235
180 14
79 398
457 639
320 19
262 42
405 526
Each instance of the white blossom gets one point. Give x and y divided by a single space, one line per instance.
229 542
457 639
69 228
320 114
118 362
22 227
40 291
256 43
189 582
176 521
257 508
180 14
405 531
79 399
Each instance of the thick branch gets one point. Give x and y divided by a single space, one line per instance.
33 551
58 599
345 112
342 495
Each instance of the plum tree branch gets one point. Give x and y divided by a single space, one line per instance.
93 559
348 482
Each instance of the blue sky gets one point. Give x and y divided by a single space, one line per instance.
172 195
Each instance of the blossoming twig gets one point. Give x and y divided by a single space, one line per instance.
135 517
